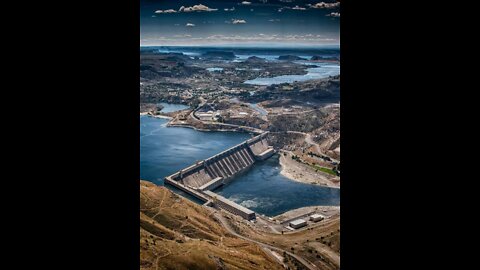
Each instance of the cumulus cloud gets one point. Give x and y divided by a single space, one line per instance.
298 8
334 14
294 8
198 8
246 3
189 25
236 21
325 5
229 9
165 11
274 20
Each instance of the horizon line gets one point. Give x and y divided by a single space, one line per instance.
243 45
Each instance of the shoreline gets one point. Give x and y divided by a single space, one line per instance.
206 130
287 170
325 210
303 174
156 116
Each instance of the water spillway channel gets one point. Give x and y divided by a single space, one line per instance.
261 188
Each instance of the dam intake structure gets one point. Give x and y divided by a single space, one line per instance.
201 178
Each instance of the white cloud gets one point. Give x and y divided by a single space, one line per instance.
165 11
325 5
236 21
294 8
274 20
298 8
246 3
189 25
334 14
229 9
199 7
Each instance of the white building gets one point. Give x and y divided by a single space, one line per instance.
316 217
298 223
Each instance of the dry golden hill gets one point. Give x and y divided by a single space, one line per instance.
176 233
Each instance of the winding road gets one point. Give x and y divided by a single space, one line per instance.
225 224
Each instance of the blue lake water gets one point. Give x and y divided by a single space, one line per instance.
165 150
264 190
323 71
213 69
267 57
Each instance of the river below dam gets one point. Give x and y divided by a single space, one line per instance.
165 150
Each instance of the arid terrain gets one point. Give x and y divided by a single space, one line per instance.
303 123
176 233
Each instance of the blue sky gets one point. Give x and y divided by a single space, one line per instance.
252 22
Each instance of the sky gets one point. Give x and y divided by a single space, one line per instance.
239 23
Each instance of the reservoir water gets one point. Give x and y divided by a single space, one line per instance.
323 71
165 150
213 69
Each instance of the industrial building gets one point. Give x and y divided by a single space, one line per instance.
316 217
230 206
298 223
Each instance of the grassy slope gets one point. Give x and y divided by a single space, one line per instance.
178 234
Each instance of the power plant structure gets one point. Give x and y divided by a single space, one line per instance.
201 178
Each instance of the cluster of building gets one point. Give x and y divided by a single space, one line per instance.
298 223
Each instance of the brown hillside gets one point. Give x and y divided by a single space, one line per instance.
176 233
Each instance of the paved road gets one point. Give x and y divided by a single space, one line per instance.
225 224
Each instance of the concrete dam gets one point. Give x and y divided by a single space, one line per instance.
202 178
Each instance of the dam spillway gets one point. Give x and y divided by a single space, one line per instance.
204 176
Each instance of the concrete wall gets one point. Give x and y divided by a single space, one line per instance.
215 171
